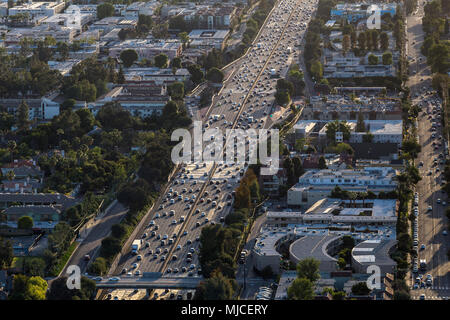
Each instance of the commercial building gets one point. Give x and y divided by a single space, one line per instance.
34 9
341 106
303 128
107 24
356 11
318 232
374 252
146 48
318 184
203 16
157 75
140 98
369 212
137 8
382 131
208 39
59 33
336 65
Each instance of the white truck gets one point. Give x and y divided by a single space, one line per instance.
135 246
250 119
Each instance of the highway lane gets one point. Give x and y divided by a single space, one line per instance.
234 92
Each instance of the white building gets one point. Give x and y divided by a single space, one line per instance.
303 128
34 9
147 49
318 184
208 39
137 8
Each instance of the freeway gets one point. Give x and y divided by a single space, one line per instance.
201 192
432 242
149 283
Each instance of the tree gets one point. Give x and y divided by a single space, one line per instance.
346 44
308 268
196 73
34 266
98 267
184 38
373 59
63 49
322 163
128 57
120 76
353 39
337 126
176 90
362 41
402 295
24 288
59 291
105 10
360 125
301 289
341 263
176 63
217 287
25 222
118 231
110 247
317 70
360 289
282 97
68 104
387 58
439 57
374 37
384 41
161 61
215 75
338 295
145 23
298 166
170 109
12 146
6 253
23 116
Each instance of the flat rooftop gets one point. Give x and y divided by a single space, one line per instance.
313 246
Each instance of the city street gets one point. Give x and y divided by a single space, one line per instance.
431 223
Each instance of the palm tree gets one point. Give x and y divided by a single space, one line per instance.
12 146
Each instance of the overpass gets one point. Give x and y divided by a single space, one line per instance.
152 282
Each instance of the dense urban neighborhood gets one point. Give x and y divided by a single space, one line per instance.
350 97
